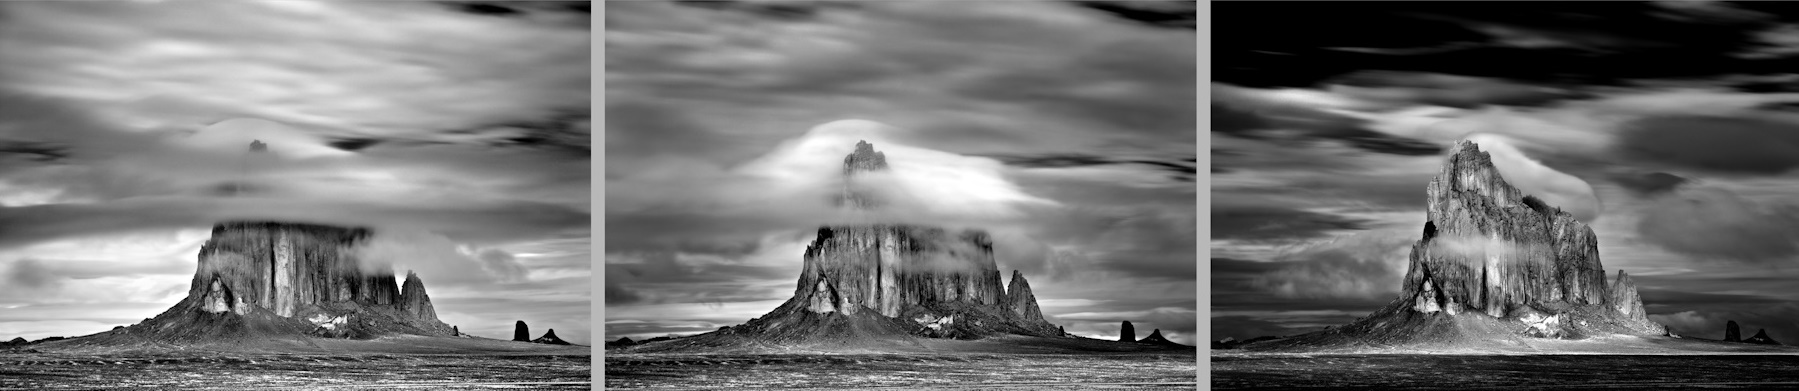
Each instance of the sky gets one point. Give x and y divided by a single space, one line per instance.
1668 127
1064 129
459 131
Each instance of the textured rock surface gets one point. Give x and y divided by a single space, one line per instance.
886 268
1127 333
1488 247
520 332
1625 299
1761 337
1731 332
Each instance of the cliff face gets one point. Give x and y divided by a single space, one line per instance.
886 268
1488 247
284 267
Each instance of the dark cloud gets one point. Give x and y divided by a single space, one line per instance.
1275 122
1720 224
30 273
1172 14
1648 183
1182 169
1446 90
774 10
486 9
1270 222
1564 42
354 144
1733 144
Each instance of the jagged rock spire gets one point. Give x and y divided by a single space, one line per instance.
414 301
864 159
1020 300
1127 333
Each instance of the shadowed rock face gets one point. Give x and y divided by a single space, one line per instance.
1127 333
1761 337
520 332
1731 332
1488 247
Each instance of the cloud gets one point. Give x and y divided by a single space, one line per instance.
1717 223
1263 222
1650 183
1733 144
1402 88
1368 264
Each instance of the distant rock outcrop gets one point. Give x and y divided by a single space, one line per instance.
15 341
1155 337
1127 333
1761 337
1731 332
520 332
549 337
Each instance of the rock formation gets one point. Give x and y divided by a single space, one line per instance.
1155 337
1019 299
549 337
1126 333
273 280
1731 333
520 332
1761 337
455 330
414 302
1493 262
1487 247
873 284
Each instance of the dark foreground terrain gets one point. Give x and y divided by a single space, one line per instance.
1505 372
397 362
1127 371
293 371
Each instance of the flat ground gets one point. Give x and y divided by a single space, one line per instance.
1022 363
1505 372
387 363
1611 362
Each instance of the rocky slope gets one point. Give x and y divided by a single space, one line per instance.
1761 337
1493 263
273 280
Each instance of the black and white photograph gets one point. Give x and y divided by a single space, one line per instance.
295 194
901 194
1516 195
